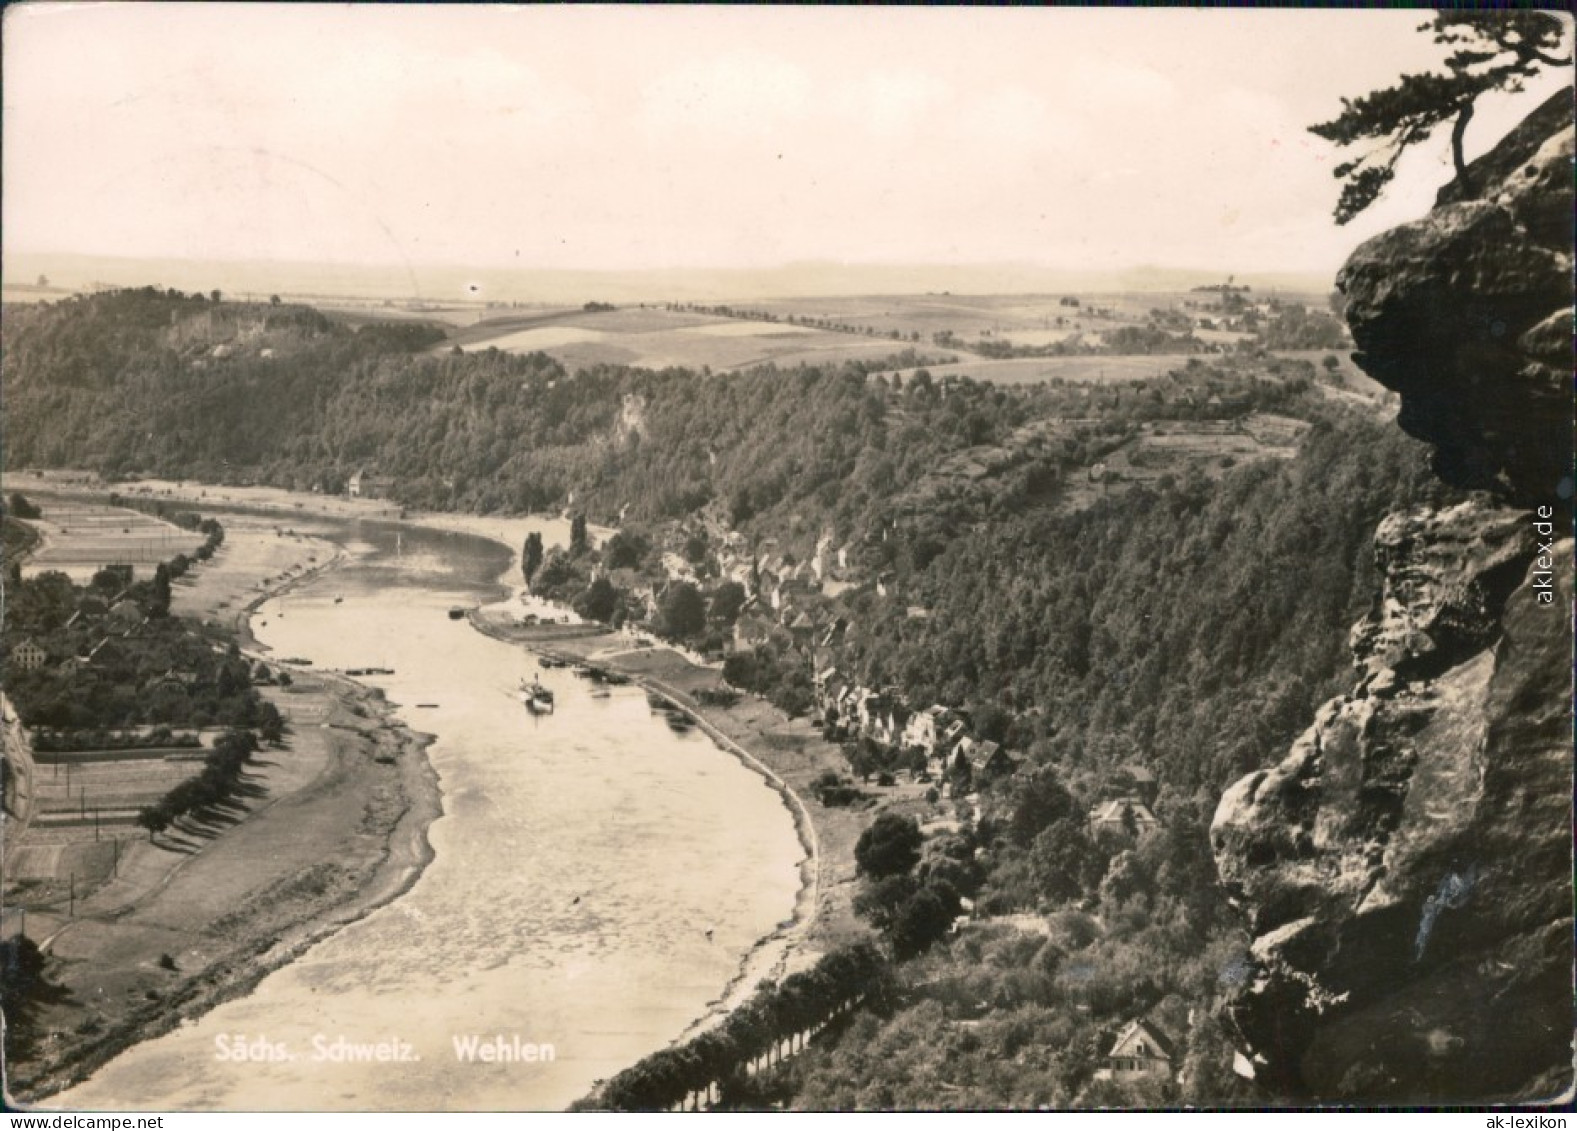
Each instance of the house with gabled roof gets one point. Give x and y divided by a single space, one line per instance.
989 760
365 484
800 625
925 728
1112 815
28 656
953 734
1145 787
1141 1049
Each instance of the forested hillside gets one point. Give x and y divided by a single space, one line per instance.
1184 627
1154 574
146 382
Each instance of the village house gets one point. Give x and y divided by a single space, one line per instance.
820 562
834 631
1140 1050
890 721
28 656
802 627
750 631
955 732
176 680
1114 815
988 760
925 727
1142 783
363 485
871 706
849 706
983 758
829 697
764 585
739 571
792 589
678 567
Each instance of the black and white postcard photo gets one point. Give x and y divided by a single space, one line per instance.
748 558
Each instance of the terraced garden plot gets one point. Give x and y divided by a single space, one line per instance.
115 786
79 539
65 855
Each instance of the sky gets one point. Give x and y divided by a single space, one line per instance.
621 138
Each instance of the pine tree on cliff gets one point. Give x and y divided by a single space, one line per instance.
1491 50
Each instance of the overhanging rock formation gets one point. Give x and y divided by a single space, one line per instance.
1406 869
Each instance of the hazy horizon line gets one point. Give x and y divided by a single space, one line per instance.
434 279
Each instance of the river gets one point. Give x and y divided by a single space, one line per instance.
598 877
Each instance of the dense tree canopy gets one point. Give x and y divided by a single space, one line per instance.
531 556
889 847
683 611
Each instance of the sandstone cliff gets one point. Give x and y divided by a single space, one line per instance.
1406 870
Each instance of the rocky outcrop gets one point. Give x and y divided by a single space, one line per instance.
1467 313
1406 869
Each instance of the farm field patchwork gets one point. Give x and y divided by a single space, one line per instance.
1015 317
862 327
657 339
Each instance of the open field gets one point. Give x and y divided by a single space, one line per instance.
657 339
359 314
1016 317
85 819
80 538
1023 319
1091 368
834 329
113 789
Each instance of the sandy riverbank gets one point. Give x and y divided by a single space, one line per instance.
204 913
